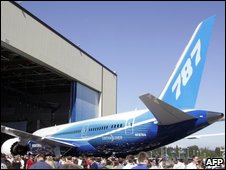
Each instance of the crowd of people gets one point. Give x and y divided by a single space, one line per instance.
142 161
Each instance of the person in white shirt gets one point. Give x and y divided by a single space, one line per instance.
178 164
130 162
194 163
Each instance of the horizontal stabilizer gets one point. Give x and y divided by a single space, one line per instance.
163 112
206 135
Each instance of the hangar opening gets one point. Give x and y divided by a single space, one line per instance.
32 93
38 97
46 79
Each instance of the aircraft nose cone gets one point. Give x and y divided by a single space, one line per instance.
214 116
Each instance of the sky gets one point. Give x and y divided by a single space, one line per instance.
142 42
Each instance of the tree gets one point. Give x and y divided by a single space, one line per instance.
217 152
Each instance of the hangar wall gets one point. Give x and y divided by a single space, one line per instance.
109 80
28 36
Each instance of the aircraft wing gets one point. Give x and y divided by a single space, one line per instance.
222 119
163 112
25 137
206 135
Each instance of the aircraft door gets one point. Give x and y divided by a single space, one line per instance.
129 126
84 131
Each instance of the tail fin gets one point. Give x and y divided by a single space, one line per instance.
182 87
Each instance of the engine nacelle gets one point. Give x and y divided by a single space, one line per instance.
12 146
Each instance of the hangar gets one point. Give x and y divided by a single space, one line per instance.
47 80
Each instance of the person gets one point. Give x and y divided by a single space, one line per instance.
98 161
84 163
40 163
194 163
29 162
16 163
69 160
87 162
109 164
186 162
120 163
3 161
178 164
69 166
130 162
153 164
57 161
22 162
93 164
50 161
167 164
142 161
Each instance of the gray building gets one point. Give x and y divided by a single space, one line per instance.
45 78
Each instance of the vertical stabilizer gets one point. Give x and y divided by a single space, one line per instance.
182 87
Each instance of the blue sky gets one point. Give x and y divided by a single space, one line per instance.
142 41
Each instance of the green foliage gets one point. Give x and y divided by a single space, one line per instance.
185 153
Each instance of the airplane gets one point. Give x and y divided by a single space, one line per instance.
168 118
206 135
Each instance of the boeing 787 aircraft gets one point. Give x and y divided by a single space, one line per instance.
168 118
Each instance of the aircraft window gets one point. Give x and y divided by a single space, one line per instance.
111 126
114 126
71 132
120 125
117 125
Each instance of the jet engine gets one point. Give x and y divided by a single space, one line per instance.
12 146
